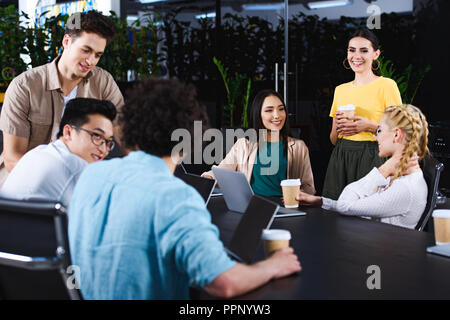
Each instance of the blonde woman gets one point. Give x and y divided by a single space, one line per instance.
396 192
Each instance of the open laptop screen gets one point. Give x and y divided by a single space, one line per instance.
258 216
235 188
204 186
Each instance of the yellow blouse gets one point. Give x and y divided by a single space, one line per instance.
370 101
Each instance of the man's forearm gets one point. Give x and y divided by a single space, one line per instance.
241 279
10 160
14 148
244 278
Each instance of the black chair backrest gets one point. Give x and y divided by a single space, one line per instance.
34 251
431 169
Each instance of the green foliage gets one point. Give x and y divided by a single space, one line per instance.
43 44
179 47
12 38
233 88
134 48
118 56
408 81
244 122
252 45
53 28
147 57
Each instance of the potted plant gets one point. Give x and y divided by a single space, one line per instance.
408 81
233 87
12 37
134 50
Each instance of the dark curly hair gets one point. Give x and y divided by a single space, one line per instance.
91 22
77 111
154 109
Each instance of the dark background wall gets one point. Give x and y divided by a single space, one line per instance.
251 46
433 47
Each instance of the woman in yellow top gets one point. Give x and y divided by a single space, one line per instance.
356 151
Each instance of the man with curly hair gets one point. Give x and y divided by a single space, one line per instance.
138 232
35 100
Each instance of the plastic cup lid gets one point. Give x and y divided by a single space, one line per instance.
290 183
276 234
441 213
348 107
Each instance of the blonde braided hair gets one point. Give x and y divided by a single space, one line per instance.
415 126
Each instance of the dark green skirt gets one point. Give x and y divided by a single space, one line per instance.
349 161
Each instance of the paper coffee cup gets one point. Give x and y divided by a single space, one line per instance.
348 110
291 189
275 239
441 219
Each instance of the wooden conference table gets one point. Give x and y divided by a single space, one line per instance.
336 251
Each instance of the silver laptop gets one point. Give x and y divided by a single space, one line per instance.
247 235
238 192
442 250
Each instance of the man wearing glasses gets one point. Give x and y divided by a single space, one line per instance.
50 172
35 100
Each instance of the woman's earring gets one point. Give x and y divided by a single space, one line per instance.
378 65
343 62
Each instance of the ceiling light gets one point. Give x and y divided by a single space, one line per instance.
328 4
262 6
150 1
206 15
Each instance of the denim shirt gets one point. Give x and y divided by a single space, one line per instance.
138 232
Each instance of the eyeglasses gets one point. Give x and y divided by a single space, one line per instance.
97 139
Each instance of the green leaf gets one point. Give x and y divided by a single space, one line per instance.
405 80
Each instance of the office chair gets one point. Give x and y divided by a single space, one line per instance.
431 169
34 252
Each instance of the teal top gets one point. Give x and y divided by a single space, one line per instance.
269 170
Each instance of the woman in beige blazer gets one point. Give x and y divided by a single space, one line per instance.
273 148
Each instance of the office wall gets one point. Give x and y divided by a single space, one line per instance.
357 9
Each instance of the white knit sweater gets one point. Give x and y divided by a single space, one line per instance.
400 204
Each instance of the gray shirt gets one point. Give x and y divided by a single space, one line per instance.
47 172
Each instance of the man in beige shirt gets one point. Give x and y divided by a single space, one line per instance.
35 100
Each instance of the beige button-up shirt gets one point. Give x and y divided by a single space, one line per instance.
34 103
242 157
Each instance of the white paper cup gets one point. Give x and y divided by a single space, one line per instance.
348 110
291 189
441 219
275 239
